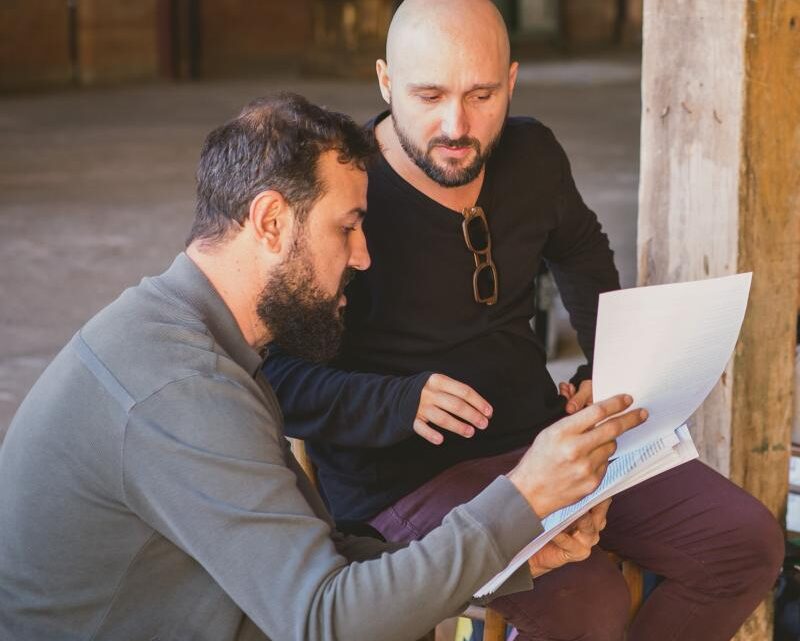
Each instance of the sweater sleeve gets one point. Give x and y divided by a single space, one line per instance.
350 409
578 254
205 465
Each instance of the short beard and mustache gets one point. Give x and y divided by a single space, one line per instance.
300 317
450 176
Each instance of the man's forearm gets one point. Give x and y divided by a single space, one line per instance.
350 409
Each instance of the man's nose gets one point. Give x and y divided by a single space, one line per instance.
359 255
454 121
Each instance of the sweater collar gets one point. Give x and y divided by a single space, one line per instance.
188 284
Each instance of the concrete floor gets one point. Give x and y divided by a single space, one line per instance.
96 186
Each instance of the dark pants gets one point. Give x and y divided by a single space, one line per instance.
718 549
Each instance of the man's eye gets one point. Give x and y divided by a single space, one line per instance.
482 97
429 97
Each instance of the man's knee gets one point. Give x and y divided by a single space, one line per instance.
765 541
749 551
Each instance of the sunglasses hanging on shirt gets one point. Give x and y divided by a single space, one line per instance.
479 242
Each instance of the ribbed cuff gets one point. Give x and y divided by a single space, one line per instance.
409 401
583 373
506 515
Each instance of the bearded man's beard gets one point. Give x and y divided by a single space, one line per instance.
450 175
301 318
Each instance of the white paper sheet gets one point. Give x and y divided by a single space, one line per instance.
626 471
667 346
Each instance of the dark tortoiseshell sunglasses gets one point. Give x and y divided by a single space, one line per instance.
479 242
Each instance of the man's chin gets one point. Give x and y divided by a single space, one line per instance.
453 172
450 178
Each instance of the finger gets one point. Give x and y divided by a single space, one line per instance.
584 536
461 409
443 383
599 463
584 542
598 514
581 398
586 524
601 455
611 429
427 432
563 541
448 422
564 389
575 546
589 417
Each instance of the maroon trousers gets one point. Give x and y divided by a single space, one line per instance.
718 549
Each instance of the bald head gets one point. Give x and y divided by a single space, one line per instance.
460 28
448 80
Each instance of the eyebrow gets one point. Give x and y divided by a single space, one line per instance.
433 87
357 211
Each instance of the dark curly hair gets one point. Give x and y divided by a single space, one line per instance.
274 144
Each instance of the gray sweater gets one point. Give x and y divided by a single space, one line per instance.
147 492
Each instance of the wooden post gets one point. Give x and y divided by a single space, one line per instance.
720 194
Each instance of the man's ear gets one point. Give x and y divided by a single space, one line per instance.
271 220
384 82
512 78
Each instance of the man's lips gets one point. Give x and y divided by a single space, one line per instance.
457 152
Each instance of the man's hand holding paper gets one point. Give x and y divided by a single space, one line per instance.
573 545
568 460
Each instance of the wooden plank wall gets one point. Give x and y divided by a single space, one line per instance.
34 44
117 41
241 36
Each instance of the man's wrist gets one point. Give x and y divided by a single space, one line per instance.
529 493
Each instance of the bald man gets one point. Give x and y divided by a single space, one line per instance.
441 383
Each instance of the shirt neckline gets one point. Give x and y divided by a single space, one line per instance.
186 282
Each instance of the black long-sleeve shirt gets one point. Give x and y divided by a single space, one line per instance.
413 313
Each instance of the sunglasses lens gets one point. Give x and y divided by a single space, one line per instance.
478 234
486 282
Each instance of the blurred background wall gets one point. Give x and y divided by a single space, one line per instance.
55 43
104 105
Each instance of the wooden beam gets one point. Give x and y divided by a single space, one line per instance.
769 245
692 69
720 194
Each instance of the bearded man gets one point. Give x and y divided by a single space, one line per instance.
146 488
441 383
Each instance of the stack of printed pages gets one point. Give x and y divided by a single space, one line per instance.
666 346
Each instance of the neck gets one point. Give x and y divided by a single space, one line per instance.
455 198
232 277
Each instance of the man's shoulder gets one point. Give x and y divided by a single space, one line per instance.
527 133
146 340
